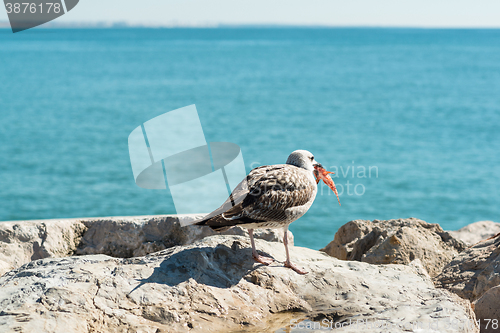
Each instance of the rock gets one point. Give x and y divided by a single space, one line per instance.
124 237
487 310
419 268
395 242
352 240
476 232
214 285
474 271
21 242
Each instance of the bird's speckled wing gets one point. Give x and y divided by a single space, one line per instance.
265 196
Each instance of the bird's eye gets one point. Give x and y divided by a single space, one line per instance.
311 158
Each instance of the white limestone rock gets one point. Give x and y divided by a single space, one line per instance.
214 285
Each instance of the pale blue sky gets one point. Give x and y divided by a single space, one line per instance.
409 13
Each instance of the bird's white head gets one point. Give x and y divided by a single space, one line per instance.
302 159
305 160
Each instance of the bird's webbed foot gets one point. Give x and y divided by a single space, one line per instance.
295 268
262 259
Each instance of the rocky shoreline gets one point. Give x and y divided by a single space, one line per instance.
147 274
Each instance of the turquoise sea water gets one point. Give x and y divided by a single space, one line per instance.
418 108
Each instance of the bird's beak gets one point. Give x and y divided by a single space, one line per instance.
317 164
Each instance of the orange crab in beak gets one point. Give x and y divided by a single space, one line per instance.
321 174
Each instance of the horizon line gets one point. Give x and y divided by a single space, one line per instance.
128 25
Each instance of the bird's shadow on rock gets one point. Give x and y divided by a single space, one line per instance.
219 266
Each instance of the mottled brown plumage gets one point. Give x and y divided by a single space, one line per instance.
271 196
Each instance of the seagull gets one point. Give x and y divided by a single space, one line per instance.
272 196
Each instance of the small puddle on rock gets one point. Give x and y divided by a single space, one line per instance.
295 322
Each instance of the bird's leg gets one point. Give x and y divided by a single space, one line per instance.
288 263
263 260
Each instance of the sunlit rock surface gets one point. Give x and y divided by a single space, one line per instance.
213 285
123 237
476 232
395 242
